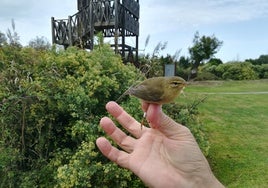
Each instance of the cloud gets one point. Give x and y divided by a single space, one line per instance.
14 8
192 12
233 21
33 18
31 9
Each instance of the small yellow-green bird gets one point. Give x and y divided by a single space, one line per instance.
158 90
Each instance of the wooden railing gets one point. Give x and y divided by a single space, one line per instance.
114 18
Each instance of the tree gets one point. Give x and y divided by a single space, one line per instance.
3 38
263 59
40 43
203 49
184 62
13 37
214 61
151 65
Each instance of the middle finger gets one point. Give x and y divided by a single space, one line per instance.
126 142
127 121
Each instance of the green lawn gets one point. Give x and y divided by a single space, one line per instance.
237 127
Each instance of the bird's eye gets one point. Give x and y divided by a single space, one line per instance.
175 83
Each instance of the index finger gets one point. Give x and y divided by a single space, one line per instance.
159 120
127 121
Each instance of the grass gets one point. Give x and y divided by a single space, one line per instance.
237 127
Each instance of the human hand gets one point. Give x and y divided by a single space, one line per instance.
162 155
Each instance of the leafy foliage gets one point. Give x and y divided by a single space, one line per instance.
3 39
51 102
40 43
203 49
12 35
232 70
263 59
239 71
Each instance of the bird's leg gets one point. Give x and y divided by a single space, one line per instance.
182 92
143 119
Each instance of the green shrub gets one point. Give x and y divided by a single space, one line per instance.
231 70
184 73
240 71
261 70
236 71
51 102
205 75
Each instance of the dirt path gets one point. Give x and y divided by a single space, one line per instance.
234 93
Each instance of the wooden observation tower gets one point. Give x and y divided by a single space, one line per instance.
114 18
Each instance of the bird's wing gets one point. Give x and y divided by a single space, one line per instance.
150 95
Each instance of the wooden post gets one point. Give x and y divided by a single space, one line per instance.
70 35
53 30
116 33
92 22
123 32
137 50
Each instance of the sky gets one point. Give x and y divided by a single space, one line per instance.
242 25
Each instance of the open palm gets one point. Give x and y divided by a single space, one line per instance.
164 155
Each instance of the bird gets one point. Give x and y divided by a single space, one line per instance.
158 90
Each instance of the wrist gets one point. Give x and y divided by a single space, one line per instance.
216 183
206 182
